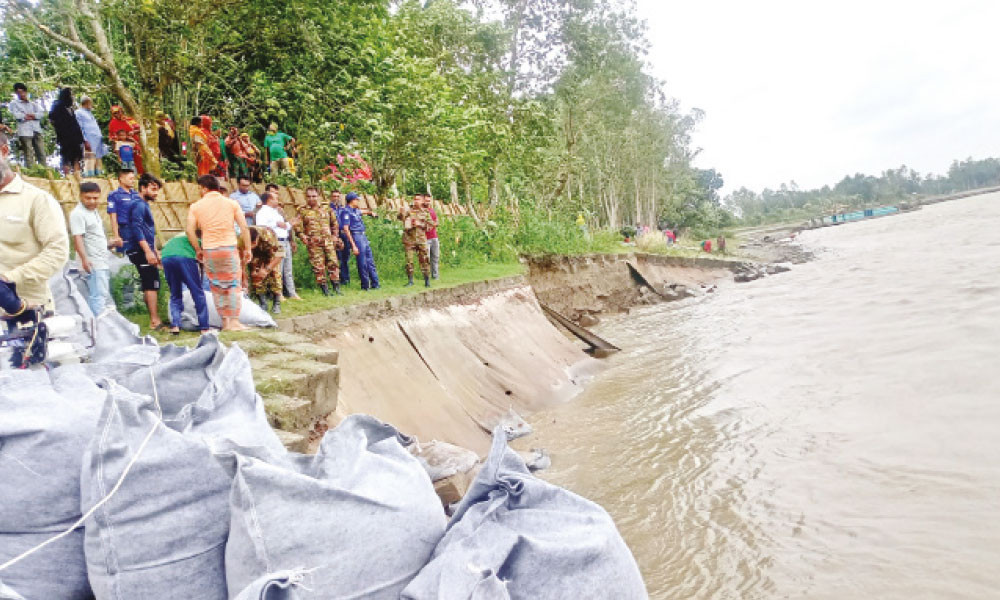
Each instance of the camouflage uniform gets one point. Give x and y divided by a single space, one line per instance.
266 250
315 226
415 222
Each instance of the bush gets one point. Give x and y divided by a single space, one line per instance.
185 171
653 242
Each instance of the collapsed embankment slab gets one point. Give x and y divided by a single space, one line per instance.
456 372
604 283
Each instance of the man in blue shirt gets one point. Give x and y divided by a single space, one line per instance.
246 198
118 205
140 244
338 206
354 228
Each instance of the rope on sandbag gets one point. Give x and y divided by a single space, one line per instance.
104 500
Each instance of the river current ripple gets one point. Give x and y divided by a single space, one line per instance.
830 432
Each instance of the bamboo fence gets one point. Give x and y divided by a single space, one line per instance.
170 208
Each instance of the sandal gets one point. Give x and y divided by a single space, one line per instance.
160 327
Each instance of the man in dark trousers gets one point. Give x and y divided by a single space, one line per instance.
140 245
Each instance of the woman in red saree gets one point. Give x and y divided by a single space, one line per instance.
121 121
215 146
200 154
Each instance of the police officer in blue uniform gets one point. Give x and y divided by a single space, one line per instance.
354 227
119 203
344 254
119 211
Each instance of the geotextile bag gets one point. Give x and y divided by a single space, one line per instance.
361 516
163 533
251 314
516 536
46 421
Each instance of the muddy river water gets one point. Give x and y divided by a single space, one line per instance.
831 432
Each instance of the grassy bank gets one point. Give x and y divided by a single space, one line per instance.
314 301
470 251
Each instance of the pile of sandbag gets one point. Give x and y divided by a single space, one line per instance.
160 463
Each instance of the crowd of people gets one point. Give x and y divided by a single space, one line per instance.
83 145
237 246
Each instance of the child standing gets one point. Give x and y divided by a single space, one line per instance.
125 149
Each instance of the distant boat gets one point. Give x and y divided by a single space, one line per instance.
860 215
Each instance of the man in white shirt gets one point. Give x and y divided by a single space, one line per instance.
270 216
247 199
28 114
91 244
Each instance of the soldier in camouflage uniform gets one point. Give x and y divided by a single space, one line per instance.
416 220
265 279
317 228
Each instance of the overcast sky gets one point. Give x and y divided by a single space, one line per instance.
810 91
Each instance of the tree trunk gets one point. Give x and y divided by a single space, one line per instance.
467 185
515 48
100 56
494 186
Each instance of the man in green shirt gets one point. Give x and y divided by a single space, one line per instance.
275 145
180 267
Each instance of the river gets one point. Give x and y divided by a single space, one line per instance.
830 432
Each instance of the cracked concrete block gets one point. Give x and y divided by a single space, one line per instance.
274 359
315 352
283 338
256 347
290 414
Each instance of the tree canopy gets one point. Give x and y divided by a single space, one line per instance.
545 102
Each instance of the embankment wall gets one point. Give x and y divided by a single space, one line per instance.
452 364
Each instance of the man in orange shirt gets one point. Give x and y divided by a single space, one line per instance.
217 218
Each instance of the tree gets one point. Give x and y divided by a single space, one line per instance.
77 27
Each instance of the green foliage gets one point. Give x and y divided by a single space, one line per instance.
39 170
185 171
504 101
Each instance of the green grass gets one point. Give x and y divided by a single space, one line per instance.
314 301
394 285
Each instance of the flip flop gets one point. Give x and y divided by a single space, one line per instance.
160 327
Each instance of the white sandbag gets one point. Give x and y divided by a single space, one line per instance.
251 314
361 515
516 536
163 534
45 425
71 303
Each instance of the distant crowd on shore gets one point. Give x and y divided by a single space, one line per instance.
83 145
